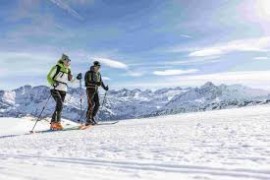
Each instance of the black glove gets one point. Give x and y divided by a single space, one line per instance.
106 88
79 76
98 83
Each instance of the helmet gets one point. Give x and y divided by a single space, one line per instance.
96 63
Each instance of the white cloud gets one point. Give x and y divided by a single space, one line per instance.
135 74
249 45
206 52
261 44
81 2
197 61
119 65
261 58
173 72
25 57
169 63
111 63
23 63
259 78
256 79
62 5
106 78
186 36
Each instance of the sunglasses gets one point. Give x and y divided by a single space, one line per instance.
67 60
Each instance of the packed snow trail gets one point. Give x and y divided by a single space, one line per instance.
225 144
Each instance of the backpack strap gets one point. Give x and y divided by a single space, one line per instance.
92 76
58 68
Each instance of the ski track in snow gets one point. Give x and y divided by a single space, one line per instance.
214 145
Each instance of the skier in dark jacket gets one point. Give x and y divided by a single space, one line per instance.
92 81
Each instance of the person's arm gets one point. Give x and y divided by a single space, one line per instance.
77 79
86 79
106 88
70 76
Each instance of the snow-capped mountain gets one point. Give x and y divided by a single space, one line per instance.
210 97
126 104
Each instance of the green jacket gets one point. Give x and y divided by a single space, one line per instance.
59 73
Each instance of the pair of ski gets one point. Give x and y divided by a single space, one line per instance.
83 127
80 127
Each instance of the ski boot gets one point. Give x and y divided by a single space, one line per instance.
53 126
93 121
89 122
59 126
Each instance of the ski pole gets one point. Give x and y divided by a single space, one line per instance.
81 96
103 100
38 119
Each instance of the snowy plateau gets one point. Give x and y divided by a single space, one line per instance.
205 133
226 144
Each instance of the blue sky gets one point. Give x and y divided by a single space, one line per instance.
140 44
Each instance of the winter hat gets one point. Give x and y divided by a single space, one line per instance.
65 58
96 63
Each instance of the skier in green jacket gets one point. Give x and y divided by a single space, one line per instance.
58 77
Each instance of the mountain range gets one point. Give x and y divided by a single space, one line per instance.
128 104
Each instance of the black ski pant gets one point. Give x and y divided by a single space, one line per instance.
59 97
93 103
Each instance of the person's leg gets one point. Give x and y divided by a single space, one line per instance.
59 110
96 107
90 92
58 99
56 96
61 105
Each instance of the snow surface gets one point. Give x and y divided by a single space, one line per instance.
215 145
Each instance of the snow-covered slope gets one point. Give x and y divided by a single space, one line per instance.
214 145
127 104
